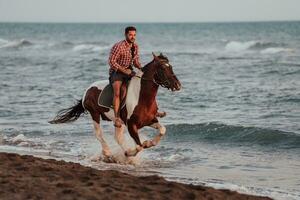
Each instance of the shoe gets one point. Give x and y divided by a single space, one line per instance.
118 122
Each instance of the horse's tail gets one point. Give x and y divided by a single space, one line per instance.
69 114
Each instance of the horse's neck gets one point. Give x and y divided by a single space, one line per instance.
140 93
148 87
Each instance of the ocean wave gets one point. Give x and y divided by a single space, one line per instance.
216 132
18 43
232 58
61 45
264 47
2 41
274 50
19 140
239 46
15 43
89 47
186 53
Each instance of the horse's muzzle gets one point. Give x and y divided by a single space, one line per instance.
177 86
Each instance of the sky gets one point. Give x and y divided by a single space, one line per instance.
148 11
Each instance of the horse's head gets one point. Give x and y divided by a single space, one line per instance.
164 75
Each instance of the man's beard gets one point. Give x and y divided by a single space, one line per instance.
130 41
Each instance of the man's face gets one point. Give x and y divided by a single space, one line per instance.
130 36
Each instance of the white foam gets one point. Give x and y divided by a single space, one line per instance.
175 157
273 193
2 139
24 144
18 139
235 46
89 47
2 41
100 48
15 43
274 50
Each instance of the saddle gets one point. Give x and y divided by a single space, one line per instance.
106 97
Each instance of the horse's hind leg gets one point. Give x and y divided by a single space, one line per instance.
99 135
119 136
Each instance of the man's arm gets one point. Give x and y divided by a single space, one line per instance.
113 56
136 61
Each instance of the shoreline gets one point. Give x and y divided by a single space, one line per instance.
29 177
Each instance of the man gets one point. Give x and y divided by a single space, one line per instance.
123 57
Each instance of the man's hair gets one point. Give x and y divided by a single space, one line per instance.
129 28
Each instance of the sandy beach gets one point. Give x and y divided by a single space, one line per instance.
28 177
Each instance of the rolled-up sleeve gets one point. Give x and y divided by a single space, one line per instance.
113 57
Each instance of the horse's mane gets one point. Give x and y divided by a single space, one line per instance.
160 56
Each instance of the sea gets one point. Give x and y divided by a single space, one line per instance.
235 123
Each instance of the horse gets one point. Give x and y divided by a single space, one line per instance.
139 111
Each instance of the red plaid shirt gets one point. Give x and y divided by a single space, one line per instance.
120 56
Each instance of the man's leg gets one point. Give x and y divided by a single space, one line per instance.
116 102
123 91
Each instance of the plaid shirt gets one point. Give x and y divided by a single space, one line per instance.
120 56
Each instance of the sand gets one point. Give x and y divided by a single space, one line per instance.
28 177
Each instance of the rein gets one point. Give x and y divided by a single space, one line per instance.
153 80
147 79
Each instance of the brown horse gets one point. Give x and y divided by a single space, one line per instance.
140 108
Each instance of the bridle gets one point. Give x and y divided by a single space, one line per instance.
165 83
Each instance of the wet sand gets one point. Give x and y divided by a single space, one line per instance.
28 177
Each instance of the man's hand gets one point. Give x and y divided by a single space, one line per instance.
127 71
124 71
133 73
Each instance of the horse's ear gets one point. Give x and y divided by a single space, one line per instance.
154 56
161 55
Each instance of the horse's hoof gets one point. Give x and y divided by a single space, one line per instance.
109 159
95 158
161 114
148 143
130 154
154 143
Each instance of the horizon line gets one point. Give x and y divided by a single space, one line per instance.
148 22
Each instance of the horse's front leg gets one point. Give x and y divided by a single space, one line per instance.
161 132
133 131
